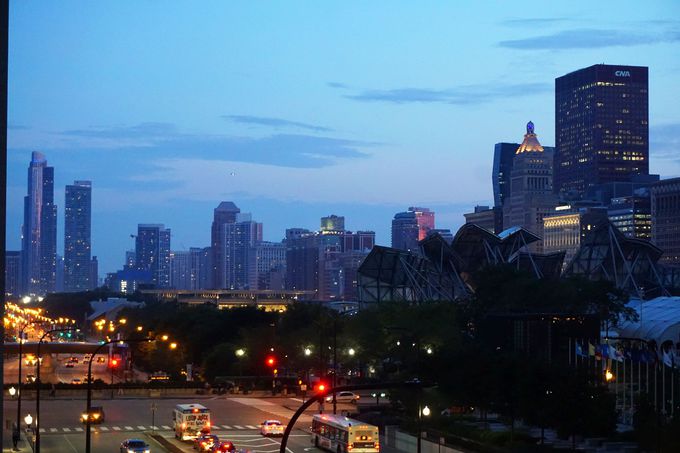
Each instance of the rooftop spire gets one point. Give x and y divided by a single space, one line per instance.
530 143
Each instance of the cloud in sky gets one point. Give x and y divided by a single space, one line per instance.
590 38
274 122
536 21
473 94
164 139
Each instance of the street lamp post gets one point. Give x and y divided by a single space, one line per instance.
88 407
21 351
37 389
425 411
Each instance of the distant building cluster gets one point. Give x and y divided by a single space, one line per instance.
547 199
598 170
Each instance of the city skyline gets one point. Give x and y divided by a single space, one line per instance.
293 143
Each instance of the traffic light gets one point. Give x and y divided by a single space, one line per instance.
114 363
321 388
271 361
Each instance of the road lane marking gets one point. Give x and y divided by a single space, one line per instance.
42 430
251 427
165 427
116 428
80 430
154 428
141 427
129 428
69 442
53 430
67 430
104 428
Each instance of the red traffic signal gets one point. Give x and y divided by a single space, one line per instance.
271 361
321 387
114 363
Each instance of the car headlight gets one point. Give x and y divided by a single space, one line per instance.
84 416
96 415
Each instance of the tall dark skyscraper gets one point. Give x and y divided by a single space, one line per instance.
223 214
152 252
601 127
13 272
77 237
239 239
503 156
39 231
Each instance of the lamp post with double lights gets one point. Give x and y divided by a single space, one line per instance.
21 351
37 381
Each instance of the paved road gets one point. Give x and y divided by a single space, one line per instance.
234 418
54 370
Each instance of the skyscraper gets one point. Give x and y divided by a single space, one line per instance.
503 156
152 251
531 195
238 241
77 237
225 213
410 227
13 272
601 127
39 231
665 197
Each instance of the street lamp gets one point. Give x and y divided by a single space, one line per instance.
12 391
21 350
424 412
351 351
29 420
308 352
240 352
37 388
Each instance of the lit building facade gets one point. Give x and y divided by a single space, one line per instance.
665 201
152 253
410 227
531 193
268 265
601 127
632 215
39 230
567 227
77 237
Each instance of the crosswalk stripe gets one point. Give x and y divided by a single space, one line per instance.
154 427
80 430
53 430
67 430
129 428
165 427
141 427
226 426
238 427
42 430
251 427
116 428
104 428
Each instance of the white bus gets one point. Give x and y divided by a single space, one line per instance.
190 421
340 434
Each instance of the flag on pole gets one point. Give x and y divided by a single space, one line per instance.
591 349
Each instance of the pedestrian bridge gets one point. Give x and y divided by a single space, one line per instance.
54 347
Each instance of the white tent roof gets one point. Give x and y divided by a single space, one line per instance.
659 320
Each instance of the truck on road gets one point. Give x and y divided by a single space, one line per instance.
190 421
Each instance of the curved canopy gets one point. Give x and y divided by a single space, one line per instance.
659 320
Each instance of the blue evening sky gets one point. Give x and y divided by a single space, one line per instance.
295 110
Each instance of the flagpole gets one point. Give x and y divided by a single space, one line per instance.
663 388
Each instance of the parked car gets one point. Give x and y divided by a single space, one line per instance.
344 397
96 415
135 446
272 428
76 381
206 442
222 447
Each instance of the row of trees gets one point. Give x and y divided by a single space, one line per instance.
436 342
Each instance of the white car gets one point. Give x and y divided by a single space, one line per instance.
344 397
272 428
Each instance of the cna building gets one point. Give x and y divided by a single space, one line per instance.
601 127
